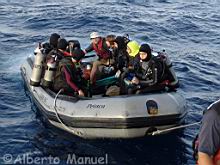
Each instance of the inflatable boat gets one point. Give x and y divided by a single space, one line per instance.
124 116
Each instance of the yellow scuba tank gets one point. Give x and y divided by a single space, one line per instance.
37 69
49 72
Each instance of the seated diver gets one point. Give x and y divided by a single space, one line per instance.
119 51
68 77
61 48
133 51
48 48
101 47
52 43
118 47
149 73
71 46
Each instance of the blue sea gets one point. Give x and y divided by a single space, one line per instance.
188 30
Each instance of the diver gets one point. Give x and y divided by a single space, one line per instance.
71 46
69 77
101 47
61 48
48 47
119 51
150 73
133 51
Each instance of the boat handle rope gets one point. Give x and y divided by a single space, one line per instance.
174 128
24 71
77 133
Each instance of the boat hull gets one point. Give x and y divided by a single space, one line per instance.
106 117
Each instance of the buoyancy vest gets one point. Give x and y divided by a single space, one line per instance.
146 70
168 75
196 141
102 52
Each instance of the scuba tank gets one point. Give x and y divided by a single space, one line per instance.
164 57
87 71
86 75
175 82
49 72
37 69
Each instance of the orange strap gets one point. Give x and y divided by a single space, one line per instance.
66 54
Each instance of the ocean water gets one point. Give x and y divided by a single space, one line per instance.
187 30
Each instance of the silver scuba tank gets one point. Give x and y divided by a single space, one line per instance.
167 61
37 69
49 72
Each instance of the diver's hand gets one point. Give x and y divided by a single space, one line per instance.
38 49
81 93
135 81
117 74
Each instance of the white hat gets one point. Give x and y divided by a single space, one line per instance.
94 35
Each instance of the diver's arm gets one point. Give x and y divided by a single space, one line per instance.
68 80
205 159
89 48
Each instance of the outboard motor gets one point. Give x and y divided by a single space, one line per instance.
37 69
49 72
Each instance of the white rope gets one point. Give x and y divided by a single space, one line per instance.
77 133
174 128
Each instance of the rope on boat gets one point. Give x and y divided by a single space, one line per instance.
174 128
77 133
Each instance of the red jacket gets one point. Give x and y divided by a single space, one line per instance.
102 52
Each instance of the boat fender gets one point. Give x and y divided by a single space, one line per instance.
49 73
37 69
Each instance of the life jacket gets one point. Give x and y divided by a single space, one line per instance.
195 143
102 52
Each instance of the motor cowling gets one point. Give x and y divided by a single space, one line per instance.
49 73
35 79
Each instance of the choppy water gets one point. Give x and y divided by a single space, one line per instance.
189 31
